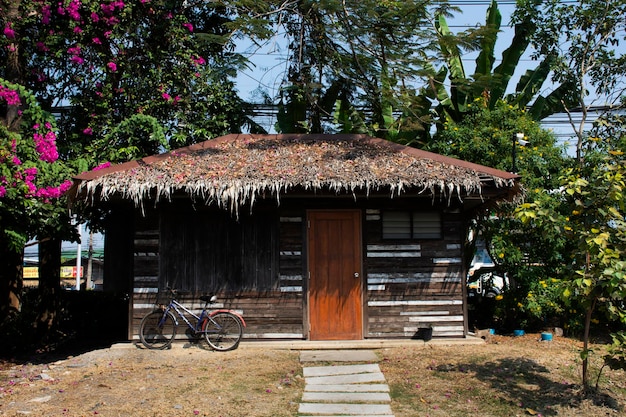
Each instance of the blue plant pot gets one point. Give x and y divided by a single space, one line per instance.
518 333
492 331
546 336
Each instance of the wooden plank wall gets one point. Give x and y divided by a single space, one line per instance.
410 285
414 285
275 311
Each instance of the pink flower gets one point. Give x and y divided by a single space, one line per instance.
3 191
31 173
16 161
166 96
112 66
77 60
74 50
42 47
8 32
189 26
78 30
10 96
45 14
102 166
108 9
198 60
94 17
66 185
46 146
72 10
88 131
97 41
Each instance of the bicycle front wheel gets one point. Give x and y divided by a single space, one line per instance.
223 331
157 330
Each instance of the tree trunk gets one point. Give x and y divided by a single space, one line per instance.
11 281
49 286
585 358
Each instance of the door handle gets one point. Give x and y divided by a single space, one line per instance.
356 275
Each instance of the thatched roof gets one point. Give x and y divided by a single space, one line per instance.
237 169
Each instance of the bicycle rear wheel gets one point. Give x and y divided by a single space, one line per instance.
223 331
157 330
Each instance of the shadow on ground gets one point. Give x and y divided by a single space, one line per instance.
527 384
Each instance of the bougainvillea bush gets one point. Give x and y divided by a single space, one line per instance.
131 78
123 79
32 177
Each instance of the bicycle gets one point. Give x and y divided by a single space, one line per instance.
222 329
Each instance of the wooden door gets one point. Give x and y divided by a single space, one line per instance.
335 290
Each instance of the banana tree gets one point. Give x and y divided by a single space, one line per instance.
488 82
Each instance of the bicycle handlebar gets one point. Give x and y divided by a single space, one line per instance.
211 298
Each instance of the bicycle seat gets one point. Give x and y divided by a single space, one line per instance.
211 298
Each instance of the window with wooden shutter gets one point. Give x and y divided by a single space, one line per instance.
411 225
426 225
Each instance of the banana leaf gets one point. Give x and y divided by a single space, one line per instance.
347 118
330 97
486 58
451 54
510 59
530 84
457 101
557 101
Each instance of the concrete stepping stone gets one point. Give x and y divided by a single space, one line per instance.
348 388
338 356
345 409
346 379
340 370
349 397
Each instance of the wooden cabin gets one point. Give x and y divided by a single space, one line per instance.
317 237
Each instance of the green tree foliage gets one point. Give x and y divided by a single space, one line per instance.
582 40
592 215
394 69
527 254
354 63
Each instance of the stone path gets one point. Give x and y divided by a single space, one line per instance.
355 390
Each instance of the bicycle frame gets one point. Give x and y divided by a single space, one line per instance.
177 307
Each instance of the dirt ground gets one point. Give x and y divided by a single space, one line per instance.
192 381
505 377
508 376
